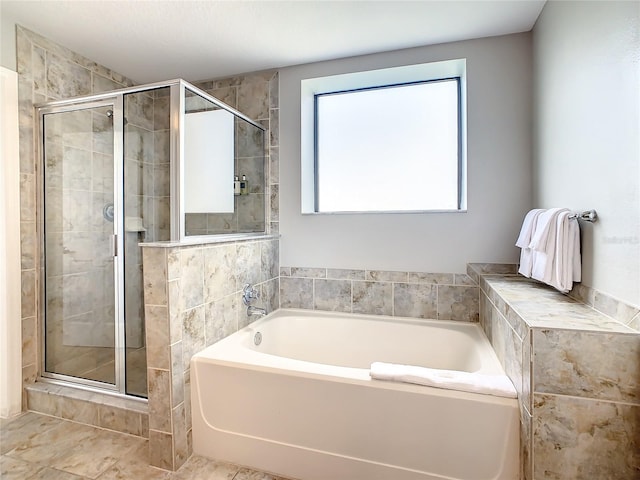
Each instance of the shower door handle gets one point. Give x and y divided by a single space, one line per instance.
114 245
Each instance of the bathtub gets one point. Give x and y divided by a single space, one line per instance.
291 394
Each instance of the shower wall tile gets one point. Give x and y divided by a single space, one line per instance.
305 272
192 266
29 300
274 166
29 339
274 200
193 333
155 274
274 127
219 271
385 276
270 259
414 294
161 450
614 308
373 298
221 319
159 399
157 336
120 420
584 438
66 79
332 295
253 99
414 300
579 406
28 247
103 84
194 322
458 302
438 278
573 363
177 374
296 293
345 274
84 412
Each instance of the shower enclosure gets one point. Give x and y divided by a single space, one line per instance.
119 169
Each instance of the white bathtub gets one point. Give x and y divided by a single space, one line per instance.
301 403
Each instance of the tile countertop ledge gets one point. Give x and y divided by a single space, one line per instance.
527 303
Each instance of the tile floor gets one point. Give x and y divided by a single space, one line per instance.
35 446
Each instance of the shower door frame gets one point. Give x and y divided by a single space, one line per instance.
177 102
116 102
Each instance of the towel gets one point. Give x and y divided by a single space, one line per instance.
550 243
498 385
543 244
524 239
567 258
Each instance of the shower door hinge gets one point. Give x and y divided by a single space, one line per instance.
114 245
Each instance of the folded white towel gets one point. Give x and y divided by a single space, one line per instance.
567 268
498 385
543 243
528 227
524 239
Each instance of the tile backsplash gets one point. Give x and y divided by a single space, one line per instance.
442 296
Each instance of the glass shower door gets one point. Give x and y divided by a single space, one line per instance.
79 238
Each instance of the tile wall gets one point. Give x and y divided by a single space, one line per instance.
577 372
192 294
443 296
193 299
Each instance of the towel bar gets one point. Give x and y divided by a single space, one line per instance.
589 216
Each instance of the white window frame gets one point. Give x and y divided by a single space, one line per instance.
371 79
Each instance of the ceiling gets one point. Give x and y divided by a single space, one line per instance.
156 40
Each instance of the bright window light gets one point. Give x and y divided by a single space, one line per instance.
388 149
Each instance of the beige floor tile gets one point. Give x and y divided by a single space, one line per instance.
20 430
247 474
201 468
53 474
14 469
43 448
135 464
97 453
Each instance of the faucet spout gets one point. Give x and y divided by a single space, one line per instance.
253 310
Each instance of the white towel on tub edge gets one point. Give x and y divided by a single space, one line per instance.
498 385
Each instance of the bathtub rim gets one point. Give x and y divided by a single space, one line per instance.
231 352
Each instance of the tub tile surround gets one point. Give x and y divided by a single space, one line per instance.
443 296
577 372
192 300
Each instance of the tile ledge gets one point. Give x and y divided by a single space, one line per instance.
126 403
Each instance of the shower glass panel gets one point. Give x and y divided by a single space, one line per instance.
146 213
80 308
114 175
224 170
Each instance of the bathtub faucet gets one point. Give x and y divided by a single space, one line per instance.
253 310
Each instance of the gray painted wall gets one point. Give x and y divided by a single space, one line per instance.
499 171
7 41
587 141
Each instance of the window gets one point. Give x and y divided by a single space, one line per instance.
379 145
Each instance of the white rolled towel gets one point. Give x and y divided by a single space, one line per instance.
498 385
